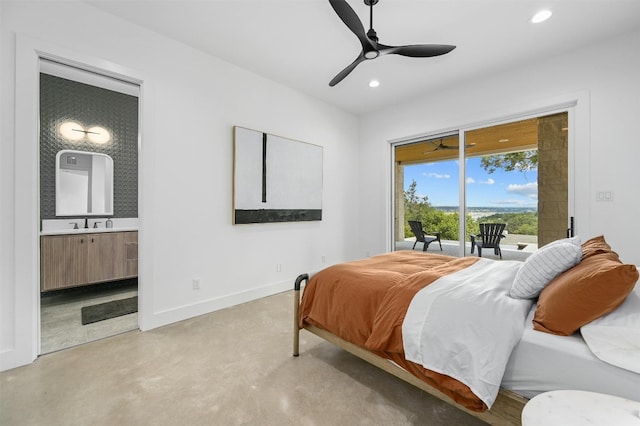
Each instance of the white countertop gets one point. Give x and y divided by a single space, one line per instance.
66 226
87 231
577 408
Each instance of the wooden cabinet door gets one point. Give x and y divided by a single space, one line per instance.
131 254
63 261
105 258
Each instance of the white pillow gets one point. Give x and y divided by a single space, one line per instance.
615 337
542 266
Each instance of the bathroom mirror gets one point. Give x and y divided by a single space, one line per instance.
84 184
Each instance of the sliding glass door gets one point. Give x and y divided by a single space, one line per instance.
515 174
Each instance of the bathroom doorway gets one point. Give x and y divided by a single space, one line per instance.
88 252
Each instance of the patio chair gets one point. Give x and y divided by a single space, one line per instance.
422 236
489 237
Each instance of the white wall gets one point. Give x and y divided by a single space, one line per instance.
190 102
602 78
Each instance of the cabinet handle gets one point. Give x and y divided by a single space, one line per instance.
92 240
81 241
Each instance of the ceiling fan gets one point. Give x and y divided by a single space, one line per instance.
371 49
441 146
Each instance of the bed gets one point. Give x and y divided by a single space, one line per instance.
368 307
543 362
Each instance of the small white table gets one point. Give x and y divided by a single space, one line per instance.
574 408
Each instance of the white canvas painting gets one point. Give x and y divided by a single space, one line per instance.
275 179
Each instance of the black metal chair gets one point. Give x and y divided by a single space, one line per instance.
422 236
489 237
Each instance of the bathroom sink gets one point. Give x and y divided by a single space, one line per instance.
65 226
87 230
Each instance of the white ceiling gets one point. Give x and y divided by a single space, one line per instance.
303 44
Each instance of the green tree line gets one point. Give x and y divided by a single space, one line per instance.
434 220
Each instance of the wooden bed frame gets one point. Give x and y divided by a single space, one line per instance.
506 410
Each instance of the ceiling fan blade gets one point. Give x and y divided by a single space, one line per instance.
416 50
352 21
345 72
441 145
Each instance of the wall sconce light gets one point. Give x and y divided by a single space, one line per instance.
72 131
75 132
98 135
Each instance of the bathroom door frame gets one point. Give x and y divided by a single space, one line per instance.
29 52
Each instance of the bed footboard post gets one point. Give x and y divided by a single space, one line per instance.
296 310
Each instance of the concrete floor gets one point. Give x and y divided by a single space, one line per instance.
230 367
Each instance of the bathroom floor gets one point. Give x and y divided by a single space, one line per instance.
61 320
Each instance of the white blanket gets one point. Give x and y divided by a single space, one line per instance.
465 325
615 337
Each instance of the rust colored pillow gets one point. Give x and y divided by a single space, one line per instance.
589 290
596 245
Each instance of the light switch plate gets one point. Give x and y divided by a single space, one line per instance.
604 195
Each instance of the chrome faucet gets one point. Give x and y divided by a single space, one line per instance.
86 222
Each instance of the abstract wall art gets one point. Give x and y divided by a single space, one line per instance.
275 179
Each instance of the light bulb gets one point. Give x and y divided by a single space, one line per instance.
98 135
72 131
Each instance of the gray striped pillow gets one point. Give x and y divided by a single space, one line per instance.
542 266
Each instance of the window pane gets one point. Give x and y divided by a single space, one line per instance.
427 191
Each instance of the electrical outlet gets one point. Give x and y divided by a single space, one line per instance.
196 283
324 259
278 267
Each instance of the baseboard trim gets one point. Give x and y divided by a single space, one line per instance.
181 313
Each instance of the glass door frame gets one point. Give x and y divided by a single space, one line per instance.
568 107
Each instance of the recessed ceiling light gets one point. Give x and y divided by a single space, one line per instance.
541 16
374 83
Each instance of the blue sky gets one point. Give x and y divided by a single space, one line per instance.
439 182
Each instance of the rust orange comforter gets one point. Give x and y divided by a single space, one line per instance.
364 303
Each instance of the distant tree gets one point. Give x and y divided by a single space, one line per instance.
525 223
418 208
522 161
412 200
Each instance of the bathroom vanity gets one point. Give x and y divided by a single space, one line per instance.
85 257
85 243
